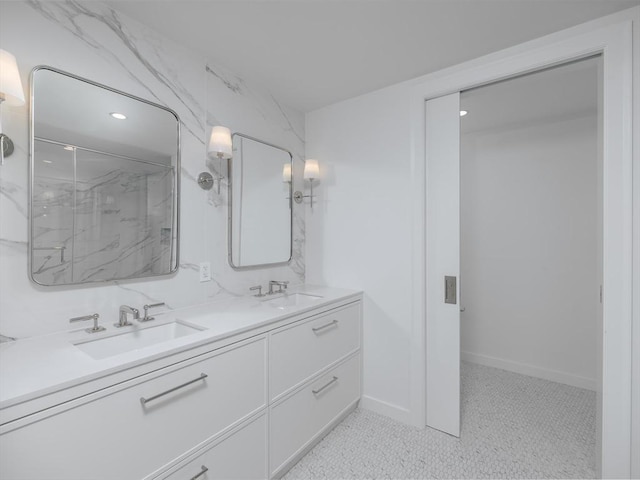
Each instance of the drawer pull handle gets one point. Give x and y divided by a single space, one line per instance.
328 384
330 324
202 472
143 400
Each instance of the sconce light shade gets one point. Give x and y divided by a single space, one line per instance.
286 172
10 84
311 169
220 143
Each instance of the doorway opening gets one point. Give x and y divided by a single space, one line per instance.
436 143
531 267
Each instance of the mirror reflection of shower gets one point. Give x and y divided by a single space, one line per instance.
104 183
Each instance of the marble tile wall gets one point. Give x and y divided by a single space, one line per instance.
93 41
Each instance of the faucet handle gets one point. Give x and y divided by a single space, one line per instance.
259 288
94 317
146 317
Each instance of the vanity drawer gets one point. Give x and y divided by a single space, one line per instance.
299 351
143 437
242 455
302 417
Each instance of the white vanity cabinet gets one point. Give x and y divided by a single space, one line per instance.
301 419
248 406
317 364
239 456
300 350
115 436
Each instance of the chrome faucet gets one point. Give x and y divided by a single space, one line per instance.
124 309
280 286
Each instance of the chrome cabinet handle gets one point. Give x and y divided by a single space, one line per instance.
144 401
202 472
330 324
329 383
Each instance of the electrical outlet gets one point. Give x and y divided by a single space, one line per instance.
205 271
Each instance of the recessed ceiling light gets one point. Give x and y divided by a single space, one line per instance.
463 113
119 116
47 161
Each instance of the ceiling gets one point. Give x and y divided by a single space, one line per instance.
554 94
312 53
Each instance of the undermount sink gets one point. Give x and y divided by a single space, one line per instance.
135 338
294 300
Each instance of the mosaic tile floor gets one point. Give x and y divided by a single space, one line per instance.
513 426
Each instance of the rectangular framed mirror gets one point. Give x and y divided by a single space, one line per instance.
104 183
260 215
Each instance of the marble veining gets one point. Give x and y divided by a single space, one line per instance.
267 106
291 128
234 87
297 257
10 191
143 295
72 15
94 41
20 247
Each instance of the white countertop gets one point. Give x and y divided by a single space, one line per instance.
37 366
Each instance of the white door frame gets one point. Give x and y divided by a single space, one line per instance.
612 36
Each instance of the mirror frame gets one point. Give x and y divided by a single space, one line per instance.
230 210
176 197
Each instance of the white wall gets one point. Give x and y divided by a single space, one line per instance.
529 268
359 233
93 41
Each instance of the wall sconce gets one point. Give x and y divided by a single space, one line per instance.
311 173
286 173
220 147
11 92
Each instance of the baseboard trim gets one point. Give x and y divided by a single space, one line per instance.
296 457
531 370
390 410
